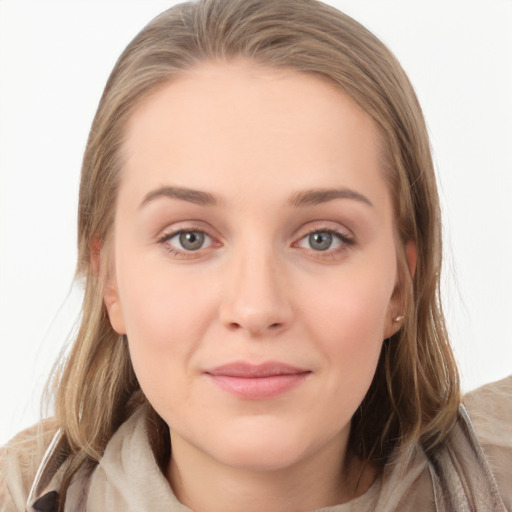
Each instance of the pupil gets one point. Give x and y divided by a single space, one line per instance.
191 241
320 241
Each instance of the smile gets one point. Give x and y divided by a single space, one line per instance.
257 382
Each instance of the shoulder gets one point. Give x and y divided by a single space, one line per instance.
19 461
490 410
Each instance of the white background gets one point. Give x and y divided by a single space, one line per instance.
54 60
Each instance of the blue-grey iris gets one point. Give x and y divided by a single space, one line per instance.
191 240
320 241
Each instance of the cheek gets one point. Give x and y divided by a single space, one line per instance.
348 318
160 302
352 306
166 314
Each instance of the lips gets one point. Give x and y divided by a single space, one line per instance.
261 381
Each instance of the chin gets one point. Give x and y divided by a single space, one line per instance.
264 447
261 456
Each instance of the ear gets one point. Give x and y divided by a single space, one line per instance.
411 254
114 309
111 295
396 309
95 252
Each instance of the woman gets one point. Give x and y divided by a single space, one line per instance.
259 235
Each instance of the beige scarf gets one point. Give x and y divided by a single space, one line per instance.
128 479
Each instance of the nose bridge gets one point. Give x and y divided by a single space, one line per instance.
256 298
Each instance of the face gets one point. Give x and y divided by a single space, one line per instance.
254 262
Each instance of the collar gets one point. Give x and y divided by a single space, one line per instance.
128 477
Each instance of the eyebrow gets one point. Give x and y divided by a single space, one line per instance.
319 196
299 199
185 194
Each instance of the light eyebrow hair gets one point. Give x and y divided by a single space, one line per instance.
184 194
319 196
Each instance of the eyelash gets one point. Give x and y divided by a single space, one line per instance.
177 252
346 242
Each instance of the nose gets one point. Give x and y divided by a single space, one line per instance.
256 295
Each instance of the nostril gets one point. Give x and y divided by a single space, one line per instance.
235 325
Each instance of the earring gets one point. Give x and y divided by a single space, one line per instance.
398 318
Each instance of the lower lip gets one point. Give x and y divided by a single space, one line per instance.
259 388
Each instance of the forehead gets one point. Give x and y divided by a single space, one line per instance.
240 125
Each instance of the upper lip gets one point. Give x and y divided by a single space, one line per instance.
247 370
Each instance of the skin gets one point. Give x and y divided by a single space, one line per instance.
258 289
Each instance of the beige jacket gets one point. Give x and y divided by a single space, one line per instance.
473 473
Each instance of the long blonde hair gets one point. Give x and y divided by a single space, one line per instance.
415 392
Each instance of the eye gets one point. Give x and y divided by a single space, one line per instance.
323 240
187 241
320 241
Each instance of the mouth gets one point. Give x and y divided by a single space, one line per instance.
257 382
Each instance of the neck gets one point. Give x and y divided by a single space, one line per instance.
326 478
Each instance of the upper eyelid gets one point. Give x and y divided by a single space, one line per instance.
173 232
345 239
324 230
186 227
323 227
167 236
